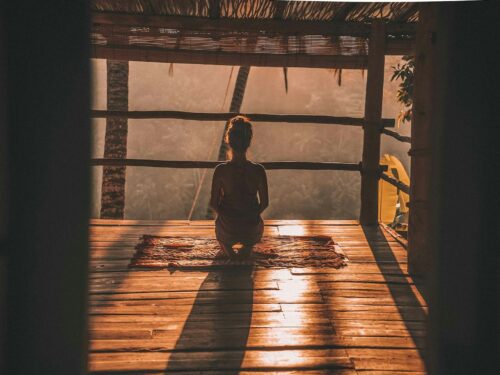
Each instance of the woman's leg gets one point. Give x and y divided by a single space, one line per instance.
246 250
228 250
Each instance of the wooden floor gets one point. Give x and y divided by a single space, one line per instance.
367 318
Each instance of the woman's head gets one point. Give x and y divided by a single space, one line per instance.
239 134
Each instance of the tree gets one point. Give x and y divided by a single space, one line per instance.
115 143
404 72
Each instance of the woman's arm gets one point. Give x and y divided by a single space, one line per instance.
263 191
216 190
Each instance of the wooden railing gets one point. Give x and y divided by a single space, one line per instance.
372 123
400 185
273 165
397 136
254 117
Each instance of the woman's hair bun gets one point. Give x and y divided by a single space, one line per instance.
239 133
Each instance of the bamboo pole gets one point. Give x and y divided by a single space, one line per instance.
401 186
254 117
274 165
399 137
372 125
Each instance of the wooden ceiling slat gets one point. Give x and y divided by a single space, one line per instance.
339 28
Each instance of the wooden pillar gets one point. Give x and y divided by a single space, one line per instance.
372 125
115 146
424 92
463 283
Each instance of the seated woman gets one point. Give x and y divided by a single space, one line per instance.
239 193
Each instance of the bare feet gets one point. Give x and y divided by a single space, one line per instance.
227 250
221 255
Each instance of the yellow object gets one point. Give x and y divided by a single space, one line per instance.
389 196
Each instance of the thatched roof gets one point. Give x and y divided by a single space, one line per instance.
247 32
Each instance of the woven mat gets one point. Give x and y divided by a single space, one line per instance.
275 251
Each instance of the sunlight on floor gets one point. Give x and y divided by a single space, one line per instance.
292 230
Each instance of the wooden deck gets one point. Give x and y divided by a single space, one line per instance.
367 318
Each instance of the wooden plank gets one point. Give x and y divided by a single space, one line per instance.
372 127
371 310
254 117
168 344
220 360
393 364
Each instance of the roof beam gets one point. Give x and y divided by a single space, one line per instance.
131 53
295 27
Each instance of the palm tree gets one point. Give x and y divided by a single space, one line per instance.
235 107
115 144
236 101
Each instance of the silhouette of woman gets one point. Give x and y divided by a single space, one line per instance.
239 194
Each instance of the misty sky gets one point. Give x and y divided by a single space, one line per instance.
156 193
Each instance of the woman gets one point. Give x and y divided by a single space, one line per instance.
239 193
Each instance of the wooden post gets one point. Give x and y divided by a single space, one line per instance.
421 136
462 281
115 146
47 150
372 125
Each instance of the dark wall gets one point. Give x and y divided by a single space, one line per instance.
464 300
47 91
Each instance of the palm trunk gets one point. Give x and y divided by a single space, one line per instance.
115 146
236 101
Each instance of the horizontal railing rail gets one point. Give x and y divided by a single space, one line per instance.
399 137
255 117
400 185
273 165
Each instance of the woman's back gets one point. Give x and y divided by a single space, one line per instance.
240 184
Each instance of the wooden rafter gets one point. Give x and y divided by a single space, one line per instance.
227 58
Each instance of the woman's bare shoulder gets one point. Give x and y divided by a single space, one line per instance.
257 166
220 168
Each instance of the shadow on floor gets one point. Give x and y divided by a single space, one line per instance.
215 334
405 299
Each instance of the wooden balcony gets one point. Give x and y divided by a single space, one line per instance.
368 317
